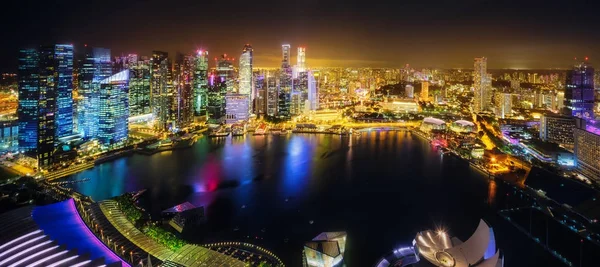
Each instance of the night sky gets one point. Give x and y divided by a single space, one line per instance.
445 34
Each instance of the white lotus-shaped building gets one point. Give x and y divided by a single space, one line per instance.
478 251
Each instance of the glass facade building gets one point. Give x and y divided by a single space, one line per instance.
579 91
29 99
113 111
139 88
216 99
245 72
557 129
226 73
159 89
200 83
96 66
62 62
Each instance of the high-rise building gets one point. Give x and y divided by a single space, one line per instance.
285 93
33 104
272 93
217 89
313 92
184 99
300 93
579 91
236 108
301 60
45 99
409 91
61 62
503 105
482 86
260 95
285 52
425 91
245 72
557 129
226 73
96 66
201 83
159 99
113 111
139 88
587 149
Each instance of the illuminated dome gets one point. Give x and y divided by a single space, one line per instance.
431 123
478 251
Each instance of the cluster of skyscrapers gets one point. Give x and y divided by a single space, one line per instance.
93 95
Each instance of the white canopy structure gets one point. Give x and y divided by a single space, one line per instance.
478 251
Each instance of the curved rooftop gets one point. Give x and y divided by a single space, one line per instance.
51 235
464 123
433 120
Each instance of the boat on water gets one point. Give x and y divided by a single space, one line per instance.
238 129
218 132
261 129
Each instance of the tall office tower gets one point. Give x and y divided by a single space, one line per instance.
215 107
409 91
113 111
158 89
587 142
200 83
139 88
260 94
236 108
557 129
503 106
425 91
285 61
95 67
300 93
245 72
285 94
579 91
184 69
45 99
60 62
225 72
301 60
35 107
482 85
272 94
313 92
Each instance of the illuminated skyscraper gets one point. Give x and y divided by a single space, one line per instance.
225 72
260 95
245 72
139 88
301 60
482 85
60 58
579 91
285 93
200 83
45 99
313 93
503 105
272 93
159 90
34 105
285 51
96 66
425 91
217 89
113 111
183 71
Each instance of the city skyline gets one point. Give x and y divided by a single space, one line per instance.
442 35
